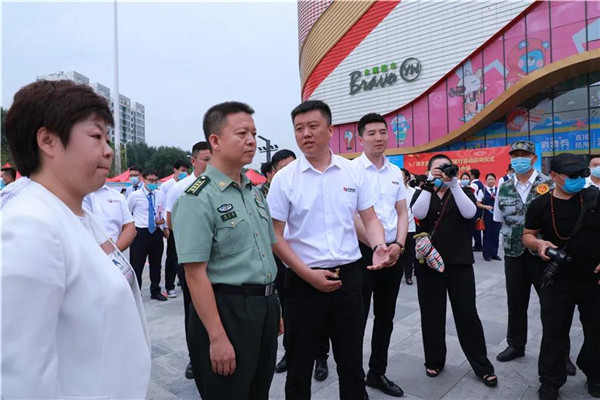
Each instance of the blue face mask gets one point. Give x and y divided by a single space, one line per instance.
465 182
574 185
439 184
521 165
596 172
152 186
182 175
134 180
2 184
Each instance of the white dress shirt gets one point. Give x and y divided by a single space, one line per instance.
110 208
72 325
491 190
410 192
388 186
133 188
588 182
11 190
138 205
164 189
318 209
177 190
522 188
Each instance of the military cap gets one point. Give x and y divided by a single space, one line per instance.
570 164
524 145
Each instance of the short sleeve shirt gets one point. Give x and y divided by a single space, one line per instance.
453 235
177 190
318 209
583 247
228 227
388 184
110 208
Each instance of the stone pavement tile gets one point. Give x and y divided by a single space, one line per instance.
414 346
531 393
278 384
409 373
177 361
471 387
157 392
158 349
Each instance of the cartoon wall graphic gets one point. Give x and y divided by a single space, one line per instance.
527 56
349 139
470 87
400 127
591 33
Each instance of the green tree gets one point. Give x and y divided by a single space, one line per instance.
5 156
162 161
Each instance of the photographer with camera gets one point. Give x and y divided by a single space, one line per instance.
563 227
445 210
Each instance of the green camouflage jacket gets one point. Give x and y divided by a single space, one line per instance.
513 212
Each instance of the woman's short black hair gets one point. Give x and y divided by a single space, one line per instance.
54 105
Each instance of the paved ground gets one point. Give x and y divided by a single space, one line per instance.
518 379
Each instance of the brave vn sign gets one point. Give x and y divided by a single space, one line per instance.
384 75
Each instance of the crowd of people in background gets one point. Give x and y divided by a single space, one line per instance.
306 255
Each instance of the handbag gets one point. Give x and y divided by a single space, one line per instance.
479 224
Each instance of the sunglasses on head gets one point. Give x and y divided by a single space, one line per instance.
583 173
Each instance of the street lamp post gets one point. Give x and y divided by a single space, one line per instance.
267 146
116 101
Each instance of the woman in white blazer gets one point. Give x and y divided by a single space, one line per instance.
73 325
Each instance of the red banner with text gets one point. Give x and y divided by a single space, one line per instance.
491 159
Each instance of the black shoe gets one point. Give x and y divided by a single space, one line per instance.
477 248
189 372
547 392
486 258
497 258
571 370
385 385
321 370
158 296
594 389
409 281
510 353
282 364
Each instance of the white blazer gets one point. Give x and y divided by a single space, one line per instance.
72 326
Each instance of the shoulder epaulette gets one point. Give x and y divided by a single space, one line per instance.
199 184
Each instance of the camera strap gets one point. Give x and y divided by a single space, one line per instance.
439 219
588 203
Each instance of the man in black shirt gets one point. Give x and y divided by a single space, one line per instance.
550 224
445 211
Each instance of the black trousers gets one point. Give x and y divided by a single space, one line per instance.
408 259
187 300
383 285
491 237
521 273
342 313
558 304
252 325
151 246
458 281
170 263
280 287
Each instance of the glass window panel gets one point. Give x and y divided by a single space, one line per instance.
569 100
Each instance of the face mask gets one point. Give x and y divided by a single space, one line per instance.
465 182
596 172
152 186
2 184
182 175
134 179
574 185
521 165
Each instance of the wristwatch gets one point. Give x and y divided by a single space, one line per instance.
399 245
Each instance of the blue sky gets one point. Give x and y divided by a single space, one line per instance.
177 59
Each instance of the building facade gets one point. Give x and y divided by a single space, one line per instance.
456 75
133 117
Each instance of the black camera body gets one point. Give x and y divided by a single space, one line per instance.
450 170
558 259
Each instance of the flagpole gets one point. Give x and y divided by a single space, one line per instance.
116 100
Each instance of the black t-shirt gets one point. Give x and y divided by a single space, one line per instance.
584 247
453 235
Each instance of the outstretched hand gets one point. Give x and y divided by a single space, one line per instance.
381 258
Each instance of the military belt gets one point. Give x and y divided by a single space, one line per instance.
245 290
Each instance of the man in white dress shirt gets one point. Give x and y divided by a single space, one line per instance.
200 158
146 206
135 178
110 207
594 178
317 196
383 285
180 171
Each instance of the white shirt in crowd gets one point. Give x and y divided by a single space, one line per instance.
165 187
410 192
110 208
522 188
133 188
388 186
319 207
588 182
474 186
177 190
11 190
493 191
138 204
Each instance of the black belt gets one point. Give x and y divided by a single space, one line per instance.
246 290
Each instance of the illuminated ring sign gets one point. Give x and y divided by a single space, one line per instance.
410 69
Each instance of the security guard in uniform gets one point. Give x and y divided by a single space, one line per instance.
223 235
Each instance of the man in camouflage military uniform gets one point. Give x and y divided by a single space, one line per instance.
267 170
522 269
223 234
